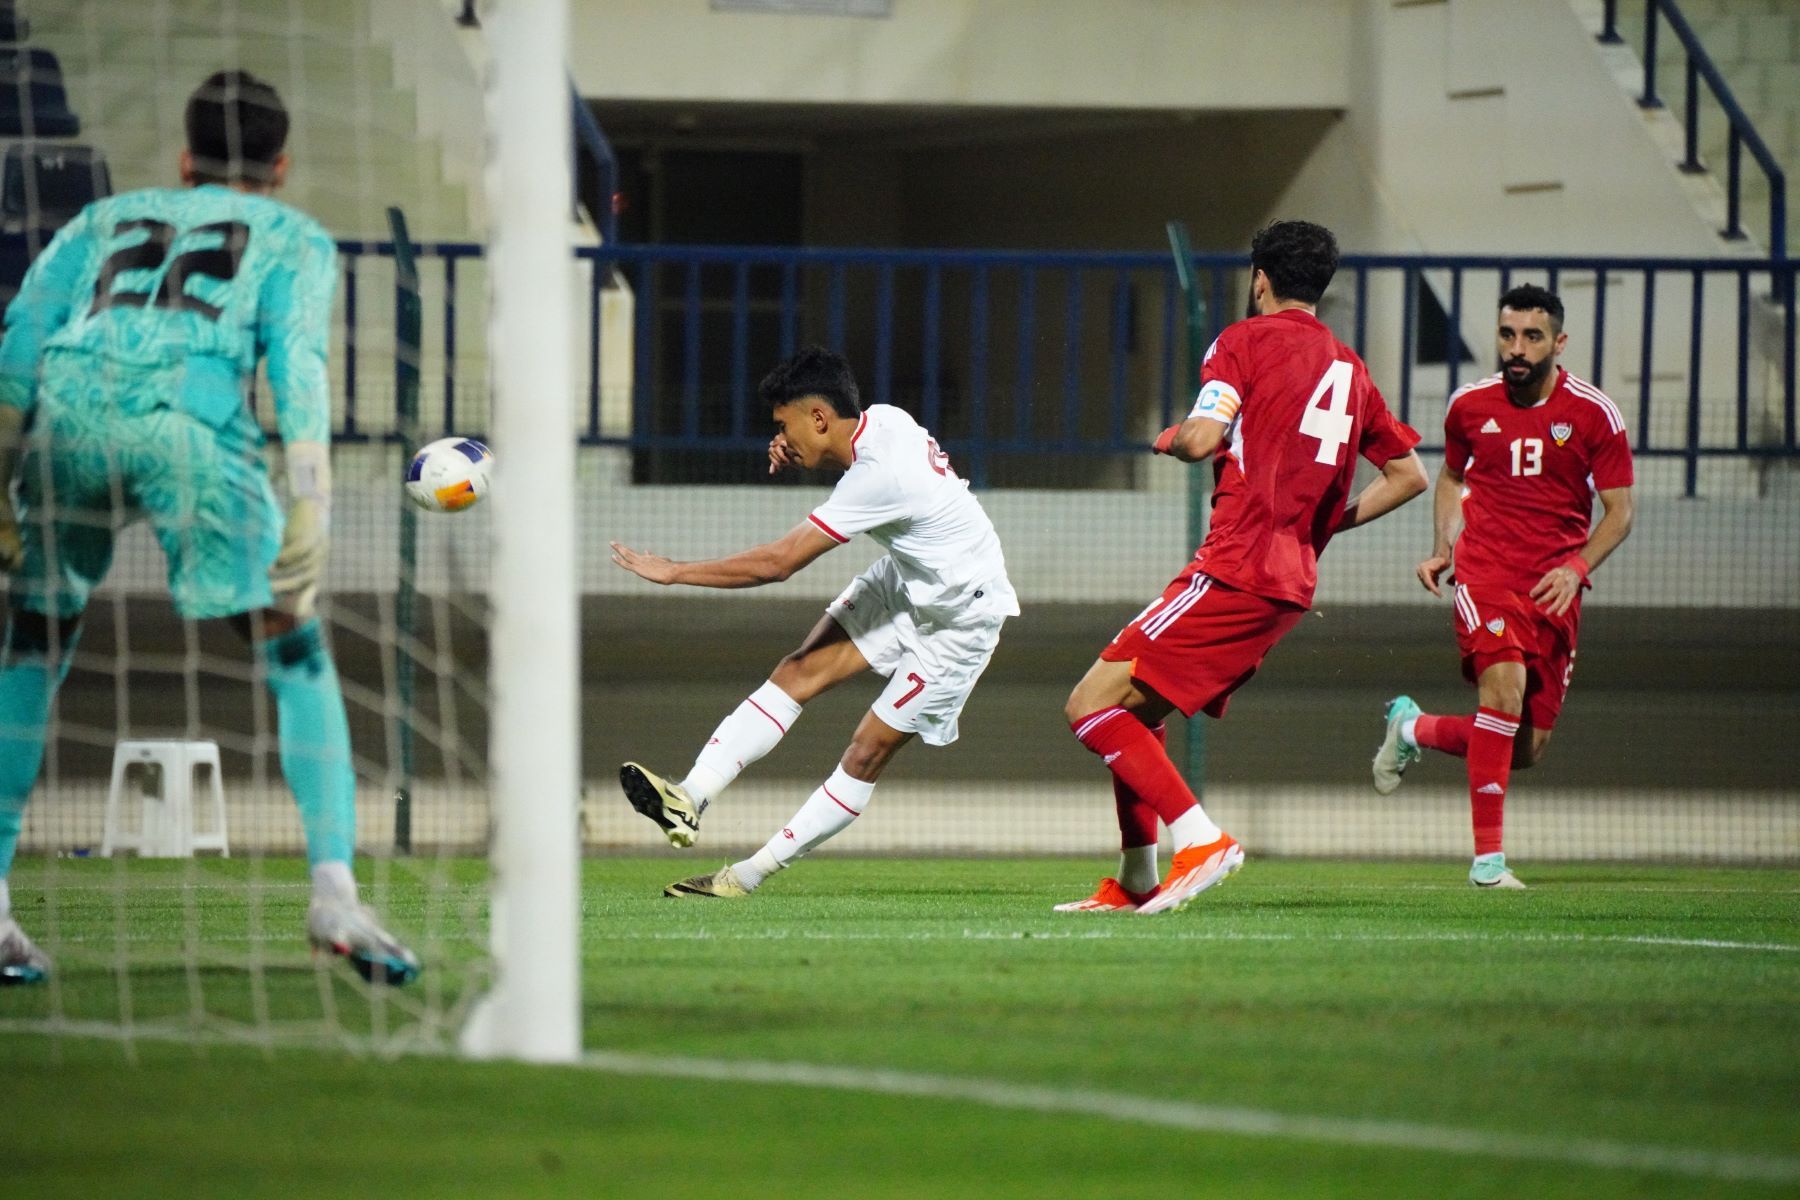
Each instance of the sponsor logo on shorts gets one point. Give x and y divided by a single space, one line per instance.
1108 760
1561 431
1496 626
788 834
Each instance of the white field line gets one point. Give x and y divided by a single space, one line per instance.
1113 1106
1118 933
1216 1119
1115 932
1585 887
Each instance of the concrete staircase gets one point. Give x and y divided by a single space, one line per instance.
356 141
1756 45
368 114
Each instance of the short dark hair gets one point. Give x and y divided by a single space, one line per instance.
814 371
1528 296
236 127
1299 258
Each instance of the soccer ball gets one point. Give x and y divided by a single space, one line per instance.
450 474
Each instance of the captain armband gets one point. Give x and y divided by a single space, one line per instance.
1218 401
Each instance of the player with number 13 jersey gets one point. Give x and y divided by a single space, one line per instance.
1526 453
1529 476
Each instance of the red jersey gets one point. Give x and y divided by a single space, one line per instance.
1300 407
1529 476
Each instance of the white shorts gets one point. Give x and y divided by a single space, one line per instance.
930 670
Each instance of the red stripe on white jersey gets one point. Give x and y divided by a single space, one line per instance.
827 530
862 423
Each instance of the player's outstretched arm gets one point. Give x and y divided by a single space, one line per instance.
1557 590
1400 480
771 562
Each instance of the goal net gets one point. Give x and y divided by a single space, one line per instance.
171 893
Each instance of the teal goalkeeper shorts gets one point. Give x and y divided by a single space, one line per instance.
97 460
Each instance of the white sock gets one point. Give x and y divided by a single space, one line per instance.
751 731
333 881
1407 733
753 870
1193 828
1137 868
837 802
5 900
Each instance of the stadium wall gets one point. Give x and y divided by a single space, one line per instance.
1732 549
1007 53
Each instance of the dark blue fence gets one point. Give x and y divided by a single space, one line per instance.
1014 357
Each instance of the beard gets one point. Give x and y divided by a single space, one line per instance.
1250 309
1527 381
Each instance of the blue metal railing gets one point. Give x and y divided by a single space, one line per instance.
1742 133
1010 356
592 147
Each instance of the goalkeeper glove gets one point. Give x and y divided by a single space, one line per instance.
306 538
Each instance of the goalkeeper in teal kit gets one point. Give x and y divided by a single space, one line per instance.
125 377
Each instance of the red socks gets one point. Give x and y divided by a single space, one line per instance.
1450 735
1490 768
1139 764
1137 820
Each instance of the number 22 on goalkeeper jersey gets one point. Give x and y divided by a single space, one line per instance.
184 289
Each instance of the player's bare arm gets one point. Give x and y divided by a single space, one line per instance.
1446 509
1401 479
770 562
1557 590
1194 440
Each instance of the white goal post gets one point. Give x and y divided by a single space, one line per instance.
533 1010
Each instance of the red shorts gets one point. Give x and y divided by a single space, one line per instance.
1200 641
1494 625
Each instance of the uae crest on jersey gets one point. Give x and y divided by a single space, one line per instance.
1561 431
1496 626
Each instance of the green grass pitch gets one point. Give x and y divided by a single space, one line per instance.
890 1028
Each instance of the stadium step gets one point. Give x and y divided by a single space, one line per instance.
356 142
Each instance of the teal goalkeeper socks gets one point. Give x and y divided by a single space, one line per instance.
315 741
27 686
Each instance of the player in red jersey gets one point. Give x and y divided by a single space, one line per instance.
1283 411
1524 453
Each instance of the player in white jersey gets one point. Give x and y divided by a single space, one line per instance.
927 615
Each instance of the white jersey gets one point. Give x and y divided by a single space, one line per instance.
901 491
